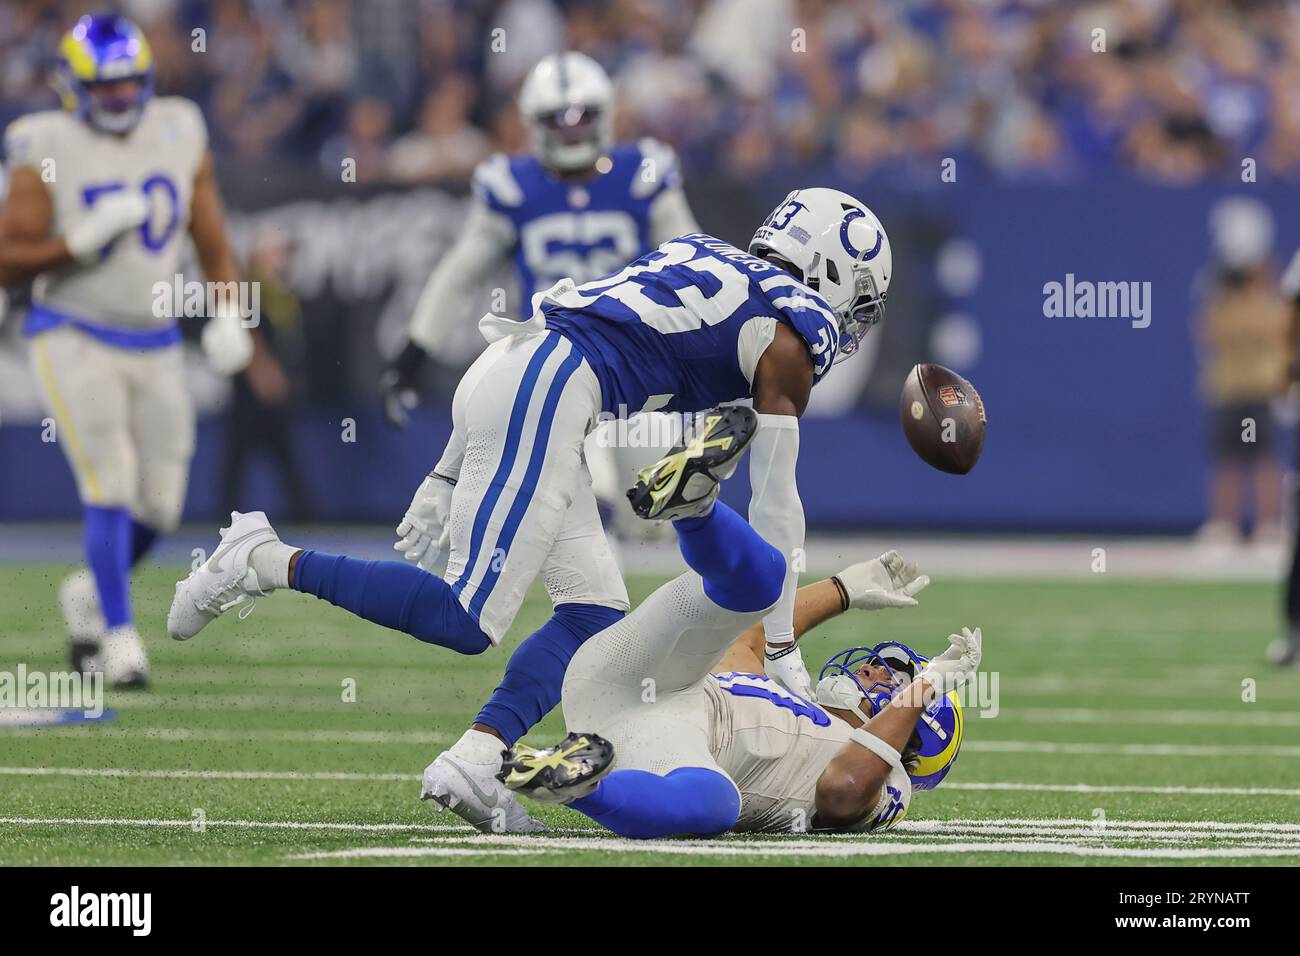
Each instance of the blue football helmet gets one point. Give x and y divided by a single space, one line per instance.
99 50
940 725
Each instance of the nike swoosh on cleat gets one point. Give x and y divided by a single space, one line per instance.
489 799
214 562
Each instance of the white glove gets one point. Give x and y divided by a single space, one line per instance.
424 534
957 665
110 216
886 581
784 664
226 343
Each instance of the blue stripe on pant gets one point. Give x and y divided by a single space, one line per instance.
518 413
515 439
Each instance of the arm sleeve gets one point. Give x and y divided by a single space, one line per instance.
453 456
483 245
776 512
671 216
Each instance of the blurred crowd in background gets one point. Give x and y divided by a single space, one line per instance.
421 90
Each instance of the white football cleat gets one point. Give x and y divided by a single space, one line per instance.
224 581
79 600
473 792
122 657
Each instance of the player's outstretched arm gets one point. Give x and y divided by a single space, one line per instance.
887 581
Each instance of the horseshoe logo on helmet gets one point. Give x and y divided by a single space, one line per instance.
858 254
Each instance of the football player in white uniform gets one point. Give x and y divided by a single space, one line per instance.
676 729
101 197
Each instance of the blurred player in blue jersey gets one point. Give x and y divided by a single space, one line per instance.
692 325
103 196
578 207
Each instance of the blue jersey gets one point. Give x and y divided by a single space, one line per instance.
681 329
582 230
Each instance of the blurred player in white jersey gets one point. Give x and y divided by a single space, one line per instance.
676 729
578 207
101 197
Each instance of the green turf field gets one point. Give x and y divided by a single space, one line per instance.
1122 737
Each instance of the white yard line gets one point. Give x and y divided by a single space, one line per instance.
207 774
830 848
220 735
374 737
1079 788
234 824
1245 717
1071 837
1133 829
1099 788
926 826
1129 750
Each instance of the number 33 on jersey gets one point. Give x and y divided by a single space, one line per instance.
683 327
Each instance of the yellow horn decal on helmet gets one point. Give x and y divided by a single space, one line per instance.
78 58
936 762
143 59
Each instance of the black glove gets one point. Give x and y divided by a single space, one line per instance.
398 385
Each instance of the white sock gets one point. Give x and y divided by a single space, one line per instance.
271 562
476 746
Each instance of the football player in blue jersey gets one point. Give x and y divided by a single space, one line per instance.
578 207
695 324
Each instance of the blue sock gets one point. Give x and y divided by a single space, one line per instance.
642 805
741 571
535 673
142 539
394 594
108 555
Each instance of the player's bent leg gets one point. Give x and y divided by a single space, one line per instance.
534 674
393 594
688 801
741 571
524 429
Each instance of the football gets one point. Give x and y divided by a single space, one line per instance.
943 418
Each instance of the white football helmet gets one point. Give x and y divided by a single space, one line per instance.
567 103
840 250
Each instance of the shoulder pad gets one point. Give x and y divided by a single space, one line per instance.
495 183
26 138
656 170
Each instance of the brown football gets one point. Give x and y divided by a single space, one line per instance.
943 418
